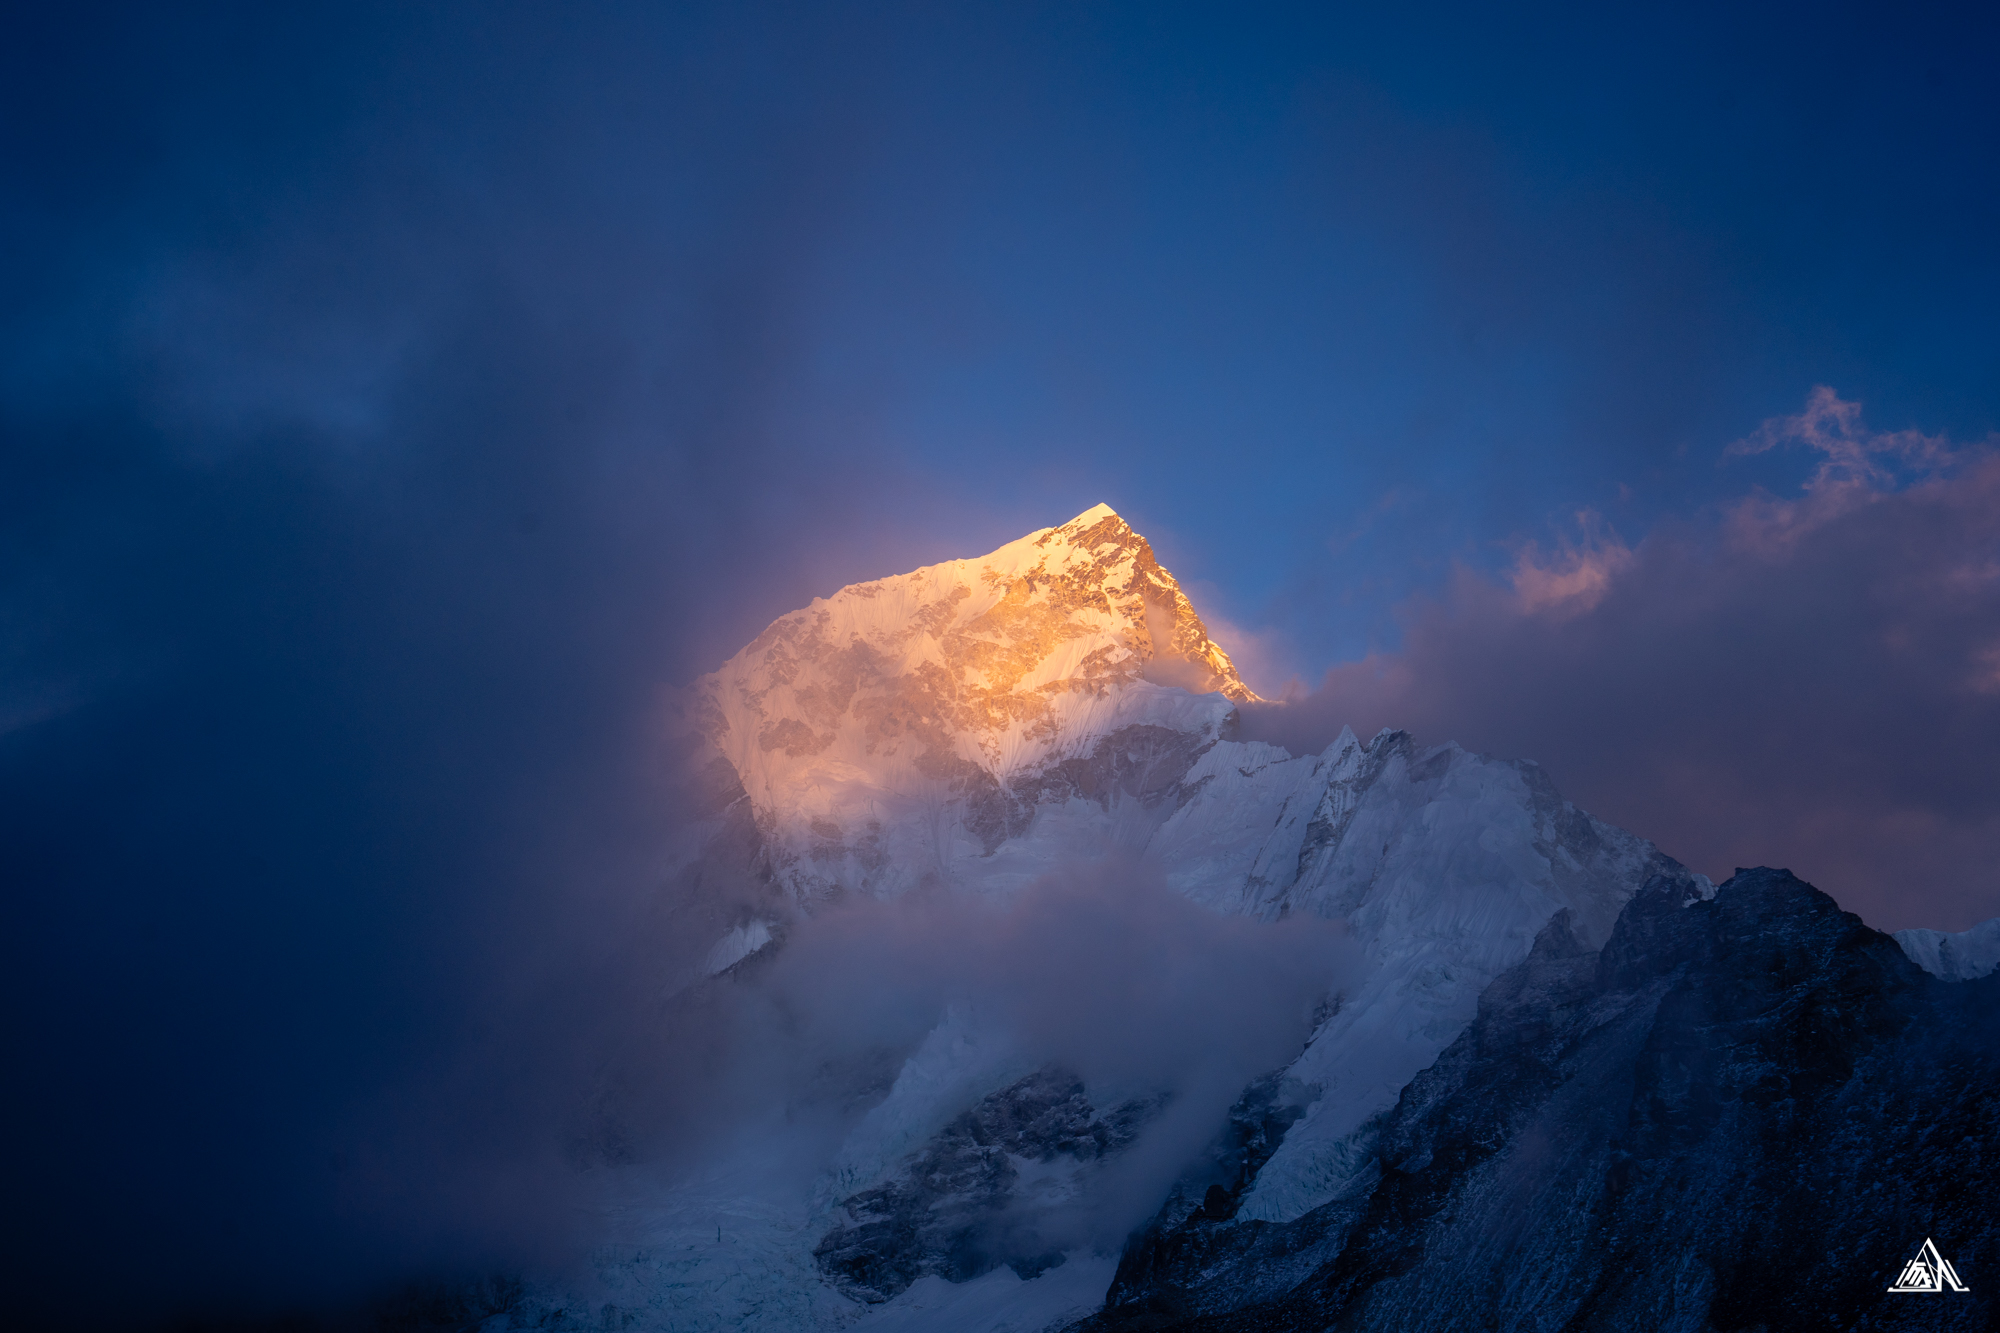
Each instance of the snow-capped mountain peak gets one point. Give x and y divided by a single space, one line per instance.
875 707
1052 720
1049 714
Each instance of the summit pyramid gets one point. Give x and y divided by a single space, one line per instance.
947 698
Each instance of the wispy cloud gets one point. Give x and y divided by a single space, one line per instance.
1576 575
1857 466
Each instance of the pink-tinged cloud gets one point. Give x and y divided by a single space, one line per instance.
1810 681
1858 467
1576 576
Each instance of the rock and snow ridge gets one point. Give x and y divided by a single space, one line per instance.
1964 956
975 725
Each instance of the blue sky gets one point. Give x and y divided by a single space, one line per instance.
1257 281
1262 280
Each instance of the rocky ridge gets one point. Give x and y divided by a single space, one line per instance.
1742 1112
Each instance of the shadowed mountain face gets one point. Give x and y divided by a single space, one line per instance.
1747 1112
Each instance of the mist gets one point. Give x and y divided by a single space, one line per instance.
367 475
374 461
1101 972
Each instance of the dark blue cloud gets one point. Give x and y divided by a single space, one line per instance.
369 466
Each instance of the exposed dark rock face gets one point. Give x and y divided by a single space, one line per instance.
1743 1113
1185 1262
1145 763
958 1209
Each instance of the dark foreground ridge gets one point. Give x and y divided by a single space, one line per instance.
1743 1113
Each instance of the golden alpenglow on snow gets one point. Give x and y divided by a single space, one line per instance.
942 689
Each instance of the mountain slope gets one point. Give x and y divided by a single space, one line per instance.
1743 1112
